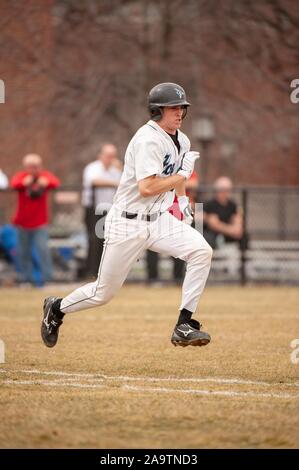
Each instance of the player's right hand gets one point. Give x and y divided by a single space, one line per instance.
186 210
187 164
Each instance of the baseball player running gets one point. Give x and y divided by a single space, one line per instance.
158 161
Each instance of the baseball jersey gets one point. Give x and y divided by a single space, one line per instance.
95 170
150 152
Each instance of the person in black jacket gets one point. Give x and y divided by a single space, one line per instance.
222 217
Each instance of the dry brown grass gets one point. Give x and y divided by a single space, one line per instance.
251 331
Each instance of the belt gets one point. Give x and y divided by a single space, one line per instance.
147 217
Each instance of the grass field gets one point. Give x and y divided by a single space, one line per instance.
115 380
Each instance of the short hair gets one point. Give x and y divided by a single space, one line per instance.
223 183
32 159
106 144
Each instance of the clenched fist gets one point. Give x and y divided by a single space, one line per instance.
185 208
187 164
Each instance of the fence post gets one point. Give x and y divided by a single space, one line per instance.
244 198
282 214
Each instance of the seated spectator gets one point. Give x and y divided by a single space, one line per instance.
223 220
31 217
3 180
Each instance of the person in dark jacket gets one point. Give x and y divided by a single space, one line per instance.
223 220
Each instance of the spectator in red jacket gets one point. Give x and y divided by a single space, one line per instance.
31 217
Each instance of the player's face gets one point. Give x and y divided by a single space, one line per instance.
172 118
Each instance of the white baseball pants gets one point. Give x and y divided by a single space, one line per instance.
125 240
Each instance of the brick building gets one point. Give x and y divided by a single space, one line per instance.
77 74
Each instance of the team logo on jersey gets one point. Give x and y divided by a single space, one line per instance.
180 93
167 166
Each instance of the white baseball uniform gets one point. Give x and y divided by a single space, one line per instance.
136 223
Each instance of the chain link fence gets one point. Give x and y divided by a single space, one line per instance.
270 218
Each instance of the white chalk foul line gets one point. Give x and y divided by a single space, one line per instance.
195 391
100 376
51 383
133 388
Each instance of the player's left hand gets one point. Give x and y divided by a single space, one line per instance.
185 208
187 164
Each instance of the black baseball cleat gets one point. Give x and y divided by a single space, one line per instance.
50 324
189 334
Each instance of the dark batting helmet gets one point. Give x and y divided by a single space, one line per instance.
166 95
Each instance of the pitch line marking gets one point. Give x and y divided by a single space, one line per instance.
52 383
208 392
103 377
132 388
